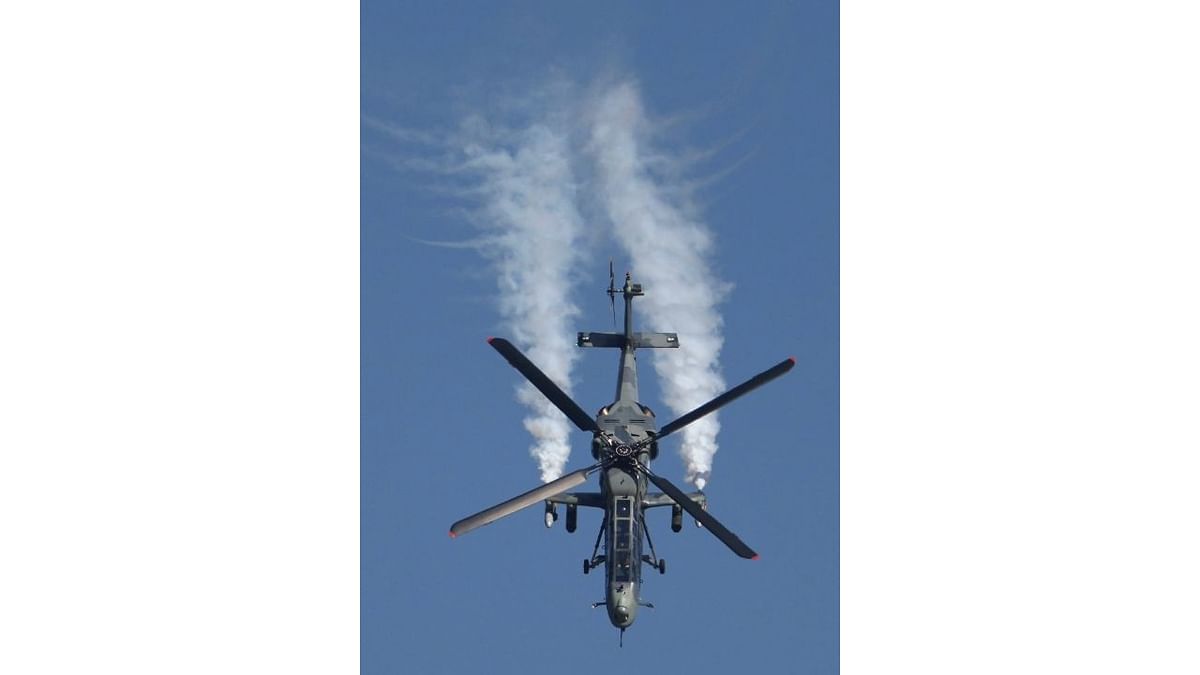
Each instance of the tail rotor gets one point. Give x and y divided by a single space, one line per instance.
612 292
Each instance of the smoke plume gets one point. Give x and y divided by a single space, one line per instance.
654 219
527 194
593 151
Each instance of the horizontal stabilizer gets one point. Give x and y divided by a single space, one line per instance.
601 340
640 340
657 340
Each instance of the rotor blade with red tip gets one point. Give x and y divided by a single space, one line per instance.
740 390
521 501
545 385
694 510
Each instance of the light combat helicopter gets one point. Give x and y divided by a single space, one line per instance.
624 441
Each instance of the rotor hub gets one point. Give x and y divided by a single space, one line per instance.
624 450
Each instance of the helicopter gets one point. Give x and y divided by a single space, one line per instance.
624 442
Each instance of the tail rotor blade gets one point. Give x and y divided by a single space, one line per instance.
740 390
612 292
545 385
710 523
521 501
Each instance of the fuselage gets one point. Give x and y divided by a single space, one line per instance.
623 489
623 546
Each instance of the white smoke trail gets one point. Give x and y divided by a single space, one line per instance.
653 218
535 235
528 198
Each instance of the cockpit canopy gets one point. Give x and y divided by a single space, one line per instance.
625 536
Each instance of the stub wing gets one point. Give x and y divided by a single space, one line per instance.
592 499
659 499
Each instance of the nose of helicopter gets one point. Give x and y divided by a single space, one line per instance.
622 606
621 616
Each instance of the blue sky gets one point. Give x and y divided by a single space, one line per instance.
746 102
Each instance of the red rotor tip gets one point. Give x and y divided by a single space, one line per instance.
754 558
452 535
792 359
490 338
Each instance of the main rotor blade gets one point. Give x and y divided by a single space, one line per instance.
740 390
545 385
521 501
694 510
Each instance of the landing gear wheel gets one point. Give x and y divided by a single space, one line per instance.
587 566
662 565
